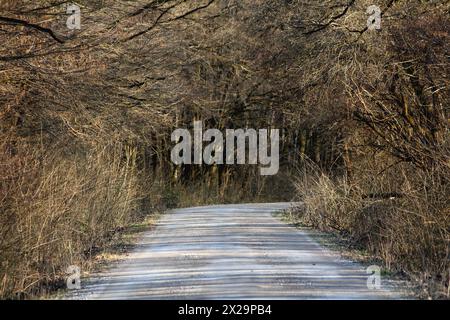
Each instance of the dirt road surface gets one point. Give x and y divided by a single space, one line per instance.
230 252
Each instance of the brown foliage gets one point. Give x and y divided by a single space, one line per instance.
86 117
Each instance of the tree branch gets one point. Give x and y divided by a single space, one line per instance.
29 25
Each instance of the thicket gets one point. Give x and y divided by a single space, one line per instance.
86 117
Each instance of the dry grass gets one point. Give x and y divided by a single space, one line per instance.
58 211
408 231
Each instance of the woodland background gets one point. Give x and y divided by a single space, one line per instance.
86 117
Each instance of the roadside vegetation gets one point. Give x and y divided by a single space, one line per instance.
86 118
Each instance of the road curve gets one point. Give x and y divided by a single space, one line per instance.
230 252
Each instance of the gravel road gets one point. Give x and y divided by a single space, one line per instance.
230 252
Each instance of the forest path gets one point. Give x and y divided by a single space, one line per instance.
230 252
